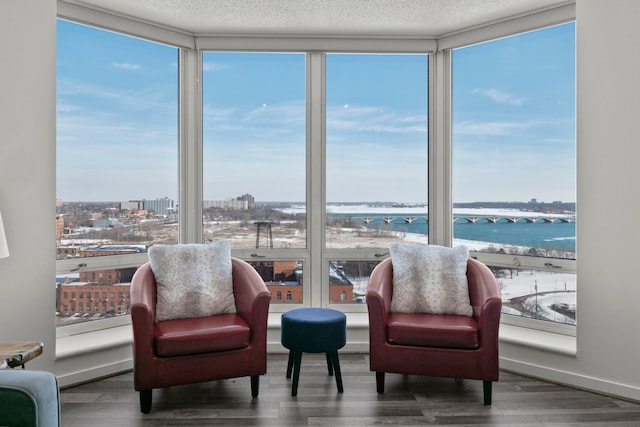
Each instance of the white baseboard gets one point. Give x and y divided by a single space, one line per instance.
94 373
571 379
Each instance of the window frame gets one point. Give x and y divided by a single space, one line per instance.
126 27
539 22
190 141
368 254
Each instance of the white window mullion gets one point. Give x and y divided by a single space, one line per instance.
190 146
315 295
440 203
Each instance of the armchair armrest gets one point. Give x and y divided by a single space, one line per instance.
252 297
378 297
143 314
485 299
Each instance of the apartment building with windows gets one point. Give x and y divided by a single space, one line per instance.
164 206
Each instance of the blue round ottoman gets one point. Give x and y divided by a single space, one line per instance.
313 330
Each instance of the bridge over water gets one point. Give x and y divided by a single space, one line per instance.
472 219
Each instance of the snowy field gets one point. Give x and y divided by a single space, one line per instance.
546 295
522 291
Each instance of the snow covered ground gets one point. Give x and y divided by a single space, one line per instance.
522 290
552 292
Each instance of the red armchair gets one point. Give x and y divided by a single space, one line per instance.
435 344
186 351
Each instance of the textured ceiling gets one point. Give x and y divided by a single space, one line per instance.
401 18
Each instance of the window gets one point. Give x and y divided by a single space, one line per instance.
254 161
254 143
376 149
117 158
514 167
377 163
313 163
257 169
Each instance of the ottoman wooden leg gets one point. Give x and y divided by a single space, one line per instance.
336 368
329 363
290 364
296 372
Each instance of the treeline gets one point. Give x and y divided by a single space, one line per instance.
254 214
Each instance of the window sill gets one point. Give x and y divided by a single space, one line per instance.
74 345
89 342
541 340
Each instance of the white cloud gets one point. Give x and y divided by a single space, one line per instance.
500 97
152 97
63 107
213 66
126 66
491 128
373 119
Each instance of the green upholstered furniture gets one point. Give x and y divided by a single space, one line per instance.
29 398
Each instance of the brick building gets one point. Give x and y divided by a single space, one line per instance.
97 292
284 281
92 298
106 292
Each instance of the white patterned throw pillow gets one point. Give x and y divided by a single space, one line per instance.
430 279
193 280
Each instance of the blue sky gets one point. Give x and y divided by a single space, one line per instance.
514 117
514 136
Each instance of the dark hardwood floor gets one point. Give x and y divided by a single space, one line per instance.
408 401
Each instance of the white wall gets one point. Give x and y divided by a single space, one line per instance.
27 171
608 109
608 342
27 187
608 199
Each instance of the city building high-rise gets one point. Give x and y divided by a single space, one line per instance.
164 206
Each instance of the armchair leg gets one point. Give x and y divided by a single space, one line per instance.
145 401
486 386
255 385
380 382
